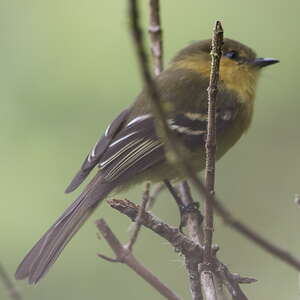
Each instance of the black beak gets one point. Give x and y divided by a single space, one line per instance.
263 62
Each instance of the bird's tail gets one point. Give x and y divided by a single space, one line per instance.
45 252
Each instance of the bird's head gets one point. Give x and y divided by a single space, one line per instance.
239 65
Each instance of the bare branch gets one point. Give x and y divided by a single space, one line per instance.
173 147
155 32
9 285
123 255
178 240
138 223
192 252
216 53
209 280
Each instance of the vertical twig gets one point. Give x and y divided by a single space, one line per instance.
155 32
138 224
8 284
207 271
216 54
151 88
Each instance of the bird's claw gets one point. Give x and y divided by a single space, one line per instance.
185 210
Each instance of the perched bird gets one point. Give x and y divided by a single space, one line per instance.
130 151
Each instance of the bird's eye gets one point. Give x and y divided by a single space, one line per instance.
232 54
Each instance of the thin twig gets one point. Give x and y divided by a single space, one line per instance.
216 53
123 255
9 285
173 152
138 223
157 53
209 280
155 32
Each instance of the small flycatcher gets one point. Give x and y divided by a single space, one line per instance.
130 151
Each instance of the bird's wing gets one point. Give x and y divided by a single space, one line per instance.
191 127
135 148
130 147
97 151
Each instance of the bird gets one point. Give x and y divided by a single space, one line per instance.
130 150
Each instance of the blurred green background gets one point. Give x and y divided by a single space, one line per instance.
67 68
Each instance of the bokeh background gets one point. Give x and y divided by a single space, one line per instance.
67 68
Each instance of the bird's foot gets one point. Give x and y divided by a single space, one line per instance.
187 209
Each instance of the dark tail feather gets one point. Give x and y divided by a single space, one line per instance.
45 252
77 180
